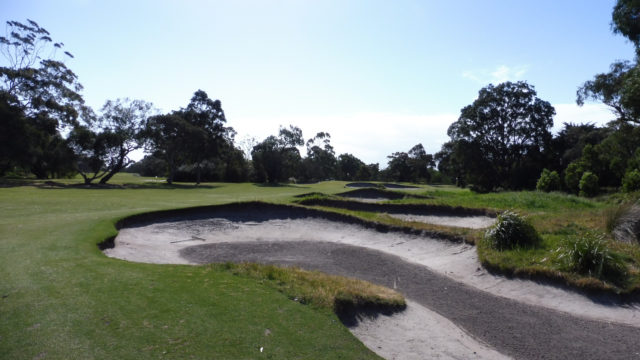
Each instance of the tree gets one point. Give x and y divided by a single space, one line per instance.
420 162
625 20
277 158
39 96
207 115
320 163
91 150
503 133
122 121
618 89
349 167
39 86
167 137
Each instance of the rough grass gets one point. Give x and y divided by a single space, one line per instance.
318 289
556 216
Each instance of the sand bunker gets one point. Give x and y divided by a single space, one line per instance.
430 214
169 239
470 222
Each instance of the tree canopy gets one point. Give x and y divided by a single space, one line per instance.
499 134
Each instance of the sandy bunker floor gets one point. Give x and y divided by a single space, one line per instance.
162 242
471 222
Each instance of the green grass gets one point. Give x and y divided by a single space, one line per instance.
61 298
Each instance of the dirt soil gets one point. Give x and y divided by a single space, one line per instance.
519 318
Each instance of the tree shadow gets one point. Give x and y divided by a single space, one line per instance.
53 185
277 185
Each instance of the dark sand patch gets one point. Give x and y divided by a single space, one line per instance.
516 329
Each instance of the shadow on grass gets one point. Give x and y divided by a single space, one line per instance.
278 185
53 185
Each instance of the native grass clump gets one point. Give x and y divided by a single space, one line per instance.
512 231
588 254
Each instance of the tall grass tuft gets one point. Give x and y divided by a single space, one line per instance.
512 231
588 254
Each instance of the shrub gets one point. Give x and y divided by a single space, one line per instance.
510 231
572 175
631 181
548 181
589 184
588 254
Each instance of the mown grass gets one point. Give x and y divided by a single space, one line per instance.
61 298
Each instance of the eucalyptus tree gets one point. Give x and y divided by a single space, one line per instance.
502 135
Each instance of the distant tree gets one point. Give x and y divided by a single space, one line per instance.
420 162
122 121
503 134
348 167
567 146
91 149
148 166
168 137
206 115
277 158
321 162
369 172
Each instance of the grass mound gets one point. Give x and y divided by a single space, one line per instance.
317 289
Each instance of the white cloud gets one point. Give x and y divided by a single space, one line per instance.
595 113
498 75
368 136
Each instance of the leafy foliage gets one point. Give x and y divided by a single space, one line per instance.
277 158
589 184
548 181
512 231
631 181
498 140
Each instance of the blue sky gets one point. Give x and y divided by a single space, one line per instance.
379 76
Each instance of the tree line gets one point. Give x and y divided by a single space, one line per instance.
502 140
47 130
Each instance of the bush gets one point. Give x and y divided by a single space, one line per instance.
572 175
548 181
588 254
510 231
631 181
589 184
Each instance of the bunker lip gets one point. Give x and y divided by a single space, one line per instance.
385 185
408 209
379 193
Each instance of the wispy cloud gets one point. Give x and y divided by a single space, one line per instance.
498 75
